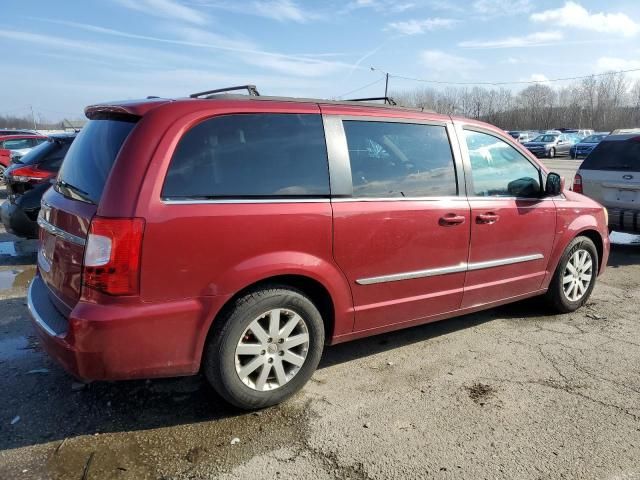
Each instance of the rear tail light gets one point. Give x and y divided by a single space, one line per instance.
112 255
30 174
577 183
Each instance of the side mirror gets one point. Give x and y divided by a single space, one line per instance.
525 187
555 185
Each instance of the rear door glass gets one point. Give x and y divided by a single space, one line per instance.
250 155
615 155
394 159
90 158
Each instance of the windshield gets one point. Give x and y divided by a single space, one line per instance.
88 162
594 139
545 138
621 155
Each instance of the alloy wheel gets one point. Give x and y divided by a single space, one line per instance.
578 275
272 349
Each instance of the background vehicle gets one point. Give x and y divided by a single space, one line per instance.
15 146
584 146
611 176
582 133
234 235
27 179
523 135
9 131
549 145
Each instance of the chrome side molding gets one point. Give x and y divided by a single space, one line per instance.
463 267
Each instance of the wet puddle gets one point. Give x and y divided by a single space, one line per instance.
624 238
16 278
16 347
20 248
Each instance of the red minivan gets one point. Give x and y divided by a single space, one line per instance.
238 234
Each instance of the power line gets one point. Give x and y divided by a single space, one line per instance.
361 88
517 82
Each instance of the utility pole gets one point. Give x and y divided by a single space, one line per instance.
386 84
33 117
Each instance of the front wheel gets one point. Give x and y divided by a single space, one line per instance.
575 276
264 348
2 169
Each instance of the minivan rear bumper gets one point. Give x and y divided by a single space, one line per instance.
116 342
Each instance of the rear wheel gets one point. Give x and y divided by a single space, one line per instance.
264 348
552 153
2 169
575 276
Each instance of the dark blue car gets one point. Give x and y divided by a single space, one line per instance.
584 147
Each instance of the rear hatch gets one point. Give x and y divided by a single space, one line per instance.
68 207
611 172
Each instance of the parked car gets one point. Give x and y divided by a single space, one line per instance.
584 147
236 235
522 136
11 131
27 180
15 146
611 175
549 145
580 132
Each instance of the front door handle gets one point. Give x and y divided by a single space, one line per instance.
487 218
451 219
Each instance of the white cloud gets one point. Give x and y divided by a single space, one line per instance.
416 27
281 10
532 40
502 7
575 15
166 9
446 65
382 6
539 78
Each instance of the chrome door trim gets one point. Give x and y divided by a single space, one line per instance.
58 232
462 267
503 261
432 272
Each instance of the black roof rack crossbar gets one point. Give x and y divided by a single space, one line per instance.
388 100
253 91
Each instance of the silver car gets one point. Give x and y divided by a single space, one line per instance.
611 175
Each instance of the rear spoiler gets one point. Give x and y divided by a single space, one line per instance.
130 110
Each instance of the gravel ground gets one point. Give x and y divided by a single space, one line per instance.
509 393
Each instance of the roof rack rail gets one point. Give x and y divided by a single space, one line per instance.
388 100
251 89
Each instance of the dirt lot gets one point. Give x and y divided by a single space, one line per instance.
511 393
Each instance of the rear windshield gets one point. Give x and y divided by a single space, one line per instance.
88 162
615 155
45 151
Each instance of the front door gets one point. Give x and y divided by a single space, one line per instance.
401 235
512 224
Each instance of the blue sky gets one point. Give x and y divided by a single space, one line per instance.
60 56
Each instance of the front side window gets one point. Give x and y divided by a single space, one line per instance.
250 155
390 159
498 169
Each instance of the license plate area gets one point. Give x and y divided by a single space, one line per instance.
629 196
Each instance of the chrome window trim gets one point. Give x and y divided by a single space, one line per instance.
244 200
399 199
58 232
462 267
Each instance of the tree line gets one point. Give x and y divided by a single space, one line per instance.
13 121
602 103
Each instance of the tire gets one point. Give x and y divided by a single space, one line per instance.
560 296
2 169
552 153
225 368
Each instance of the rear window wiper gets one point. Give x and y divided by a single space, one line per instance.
73 192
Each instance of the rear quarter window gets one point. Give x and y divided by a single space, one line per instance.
623 155
250 155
